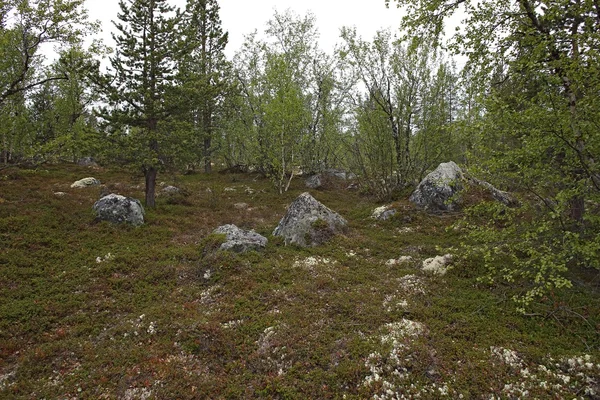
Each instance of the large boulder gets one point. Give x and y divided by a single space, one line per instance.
239 240
309 223
119 209
85 182
438 191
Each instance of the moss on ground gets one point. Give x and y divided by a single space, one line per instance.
93 310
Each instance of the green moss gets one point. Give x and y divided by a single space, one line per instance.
67 318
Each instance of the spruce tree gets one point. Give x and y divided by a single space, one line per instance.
202 71
143 71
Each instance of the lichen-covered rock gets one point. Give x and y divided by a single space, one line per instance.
383 213
241 206
87 162
85 182
439 190
119 209
309 223
171 190
313 181
503 197
239 240
340 174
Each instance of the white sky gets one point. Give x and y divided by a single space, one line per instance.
241 17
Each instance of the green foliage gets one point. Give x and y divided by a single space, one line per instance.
143 72
203 81
25 27
536 67
404 120
288 102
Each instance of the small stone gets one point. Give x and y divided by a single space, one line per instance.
313 181
239 240
171 190
240 206
87 162
85 182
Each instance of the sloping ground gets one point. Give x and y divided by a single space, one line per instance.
91 310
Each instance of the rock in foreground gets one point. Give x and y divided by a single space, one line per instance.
119 209
85 182
309 223
239 240
438 190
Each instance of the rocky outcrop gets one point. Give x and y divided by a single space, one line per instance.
85 182
239 240
119 209
439 190
309 223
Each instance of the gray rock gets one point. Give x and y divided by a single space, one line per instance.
170 190
503 197
439 190
241 206
387 215
87 162
239 240
119 209
313 181
85 182
340 174
309 223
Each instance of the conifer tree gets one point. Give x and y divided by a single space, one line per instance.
143 71
202 71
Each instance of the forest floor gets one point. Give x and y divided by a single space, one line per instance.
90 310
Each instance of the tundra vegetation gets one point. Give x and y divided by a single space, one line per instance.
490 300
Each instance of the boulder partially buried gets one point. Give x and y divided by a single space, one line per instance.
309 223
438 190
239 240
85 182
119 209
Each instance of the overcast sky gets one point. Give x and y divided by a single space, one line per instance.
241 17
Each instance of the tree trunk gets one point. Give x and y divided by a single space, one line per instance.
207 157
150 174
